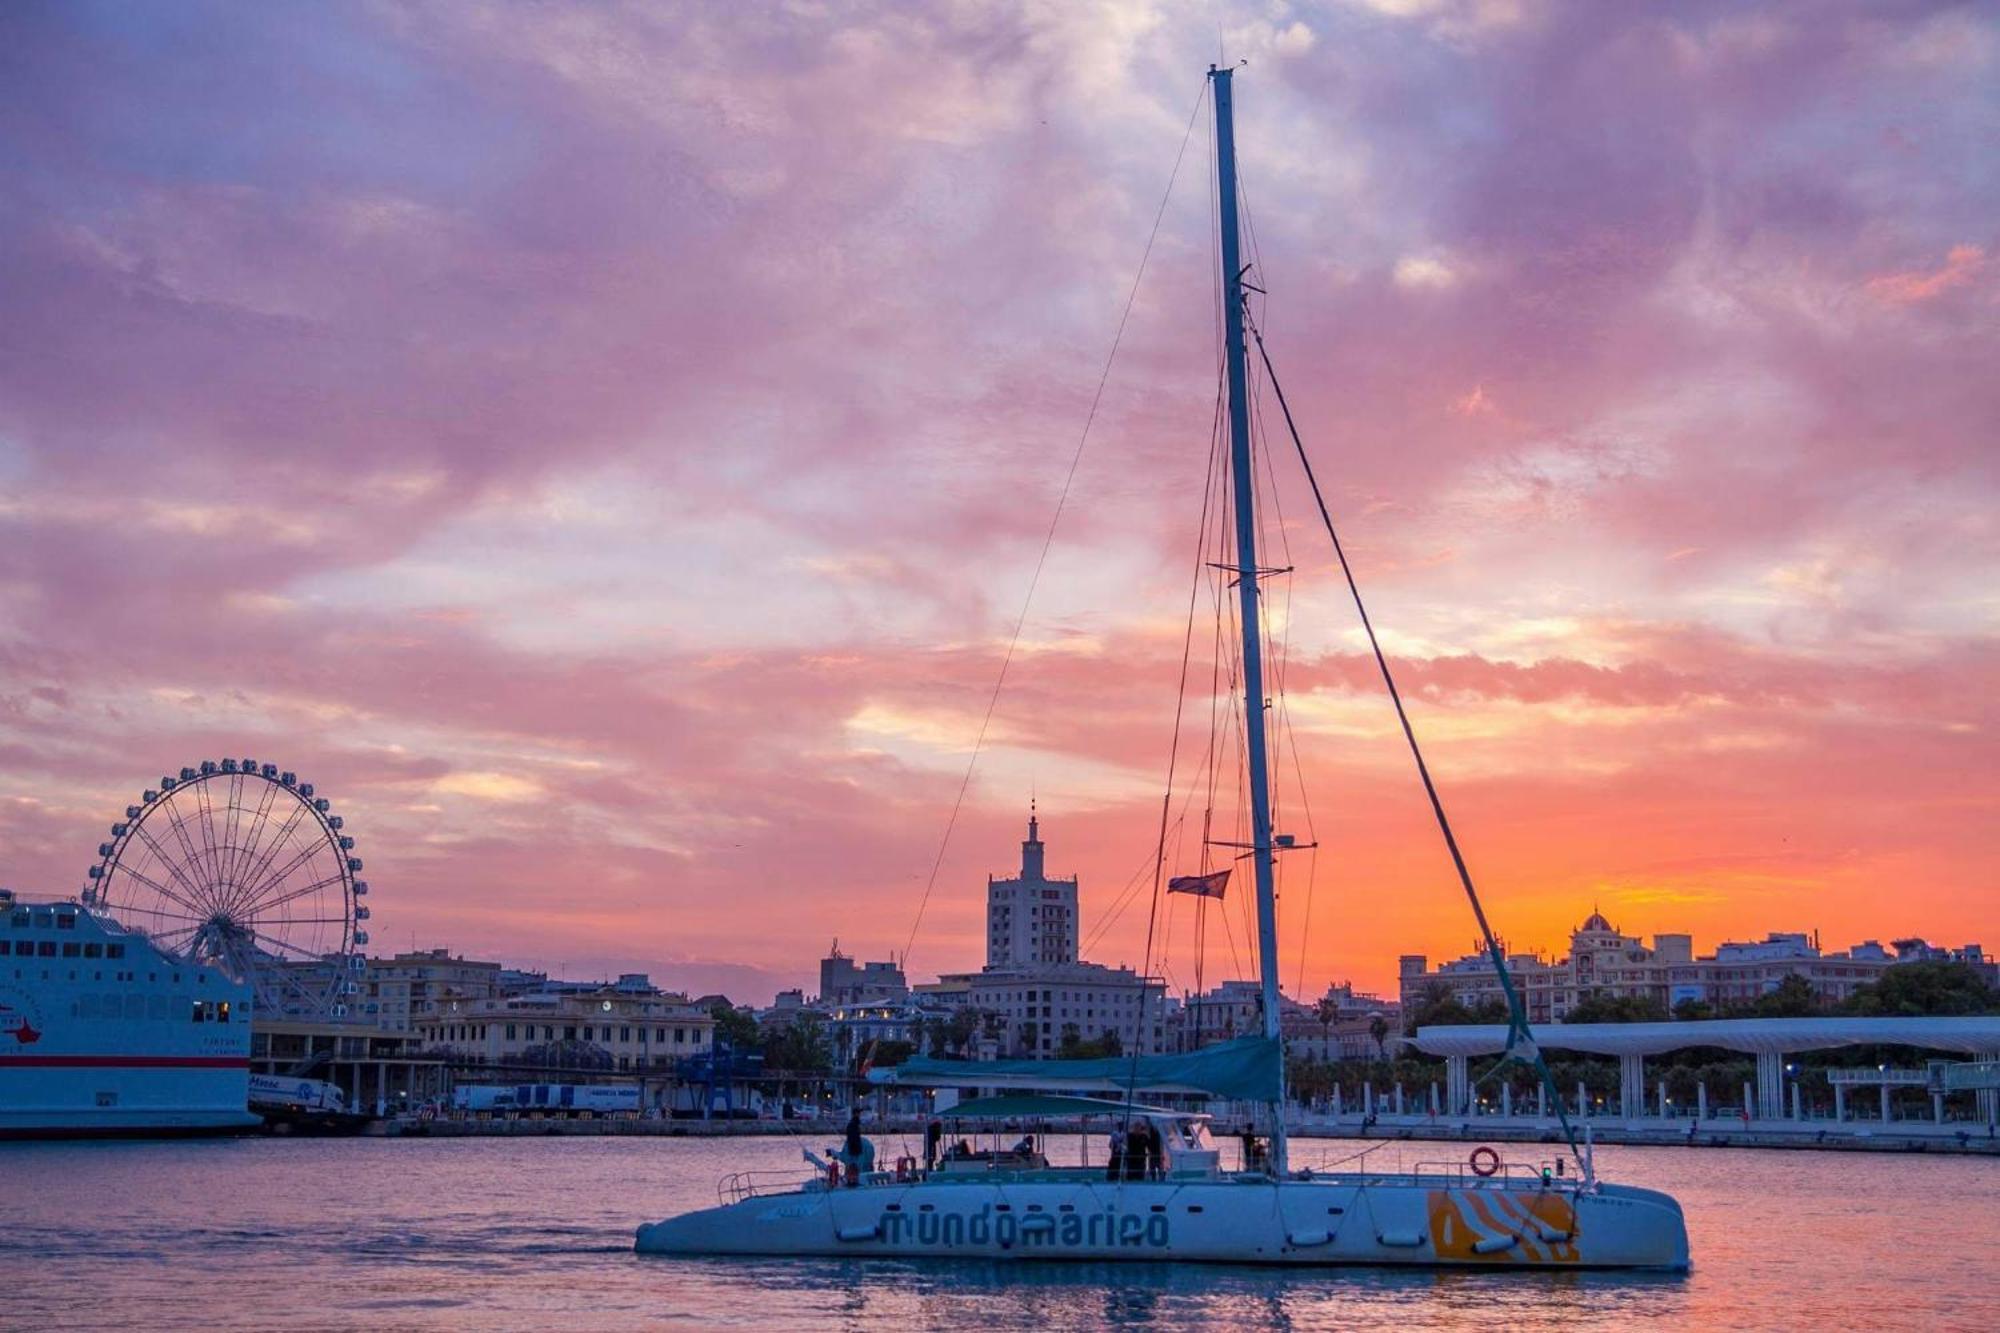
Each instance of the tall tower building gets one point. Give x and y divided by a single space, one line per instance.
1030 919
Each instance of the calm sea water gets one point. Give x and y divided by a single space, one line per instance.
537 1233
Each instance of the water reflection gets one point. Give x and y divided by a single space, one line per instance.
1021 1292
497 1234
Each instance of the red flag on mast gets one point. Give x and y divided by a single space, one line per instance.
1206 886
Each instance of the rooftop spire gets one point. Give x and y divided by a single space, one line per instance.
1031 850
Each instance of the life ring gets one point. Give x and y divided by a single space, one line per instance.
1484 1161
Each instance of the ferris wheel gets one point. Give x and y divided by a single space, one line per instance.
240 866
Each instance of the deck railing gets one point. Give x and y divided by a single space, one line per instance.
740 1185
1461 1174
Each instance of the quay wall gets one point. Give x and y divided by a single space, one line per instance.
1914 1136
1918 1137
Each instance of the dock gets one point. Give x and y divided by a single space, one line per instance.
1901 1137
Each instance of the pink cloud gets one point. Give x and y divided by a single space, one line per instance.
1962 264
612 407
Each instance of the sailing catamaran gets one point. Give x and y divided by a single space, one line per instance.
1184 1205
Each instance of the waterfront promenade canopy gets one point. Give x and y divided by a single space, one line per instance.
1752 1036
1770 1040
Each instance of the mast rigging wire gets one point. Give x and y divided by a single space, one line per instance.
1055 519
1519 1036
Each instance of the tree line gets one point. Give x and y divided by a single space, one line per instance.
808 1044
1931 989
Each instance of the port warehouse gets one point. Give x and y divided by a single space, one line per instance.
380 1072
392 1073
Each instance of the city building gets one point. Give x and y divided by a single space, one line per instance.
1037 1008
853 1028
1232 1009
1340 1025
949 992
519 981
613 1027
1605 962
1356 1037
1031 920
399 992
1037 995
629 983
1739 973
842 981
1347 1002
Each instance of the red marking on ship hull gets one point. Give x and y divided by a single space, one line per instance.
125 1061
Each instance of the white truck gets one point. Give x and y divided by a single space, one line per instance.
547 1098
275 1092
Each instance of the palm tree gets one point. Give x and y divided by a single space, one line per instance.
1378 1028
1326 1011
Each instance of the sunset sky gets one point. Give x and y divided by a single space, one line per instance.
606 447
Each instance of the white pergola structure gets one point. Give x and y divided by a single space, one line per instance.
1770 1040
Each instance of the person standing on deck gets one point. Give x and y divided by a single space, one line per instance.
852 1149
1116 1169
933 1136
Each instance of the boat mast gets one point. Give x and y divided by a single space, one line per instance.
1261 851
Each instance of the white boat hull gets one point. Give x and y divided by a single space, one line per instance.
1374 1220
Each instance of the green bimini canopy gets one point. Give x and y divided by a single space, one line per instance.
1248 1068
1030 1105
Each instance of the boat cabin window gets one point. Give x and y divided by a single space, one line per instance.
93 951
6 947
46 949
114 951
1193 1134
66 921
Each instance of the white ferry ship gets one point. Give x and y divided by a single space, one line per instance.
102 1033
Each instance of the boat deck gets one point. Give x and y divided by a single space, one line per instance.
1454 1176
